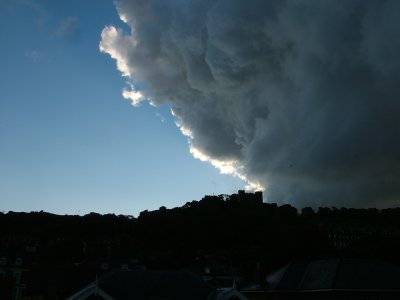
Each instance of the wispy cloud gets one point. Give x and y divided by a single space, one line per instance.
37 56
161 117
68 29
33 55
41 14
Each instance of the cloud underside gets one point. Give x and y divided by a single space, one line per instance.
298 97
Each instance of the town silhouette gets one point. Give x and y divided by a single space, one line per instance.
227 246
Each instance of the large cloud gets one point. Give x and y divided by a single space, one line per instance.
301 97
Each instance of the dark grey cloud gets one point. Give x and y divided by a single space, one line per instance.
300 97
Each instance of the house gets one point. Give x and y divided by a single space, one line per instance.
154 285
227 294
332 279
146 285
216 269
12 279
107 264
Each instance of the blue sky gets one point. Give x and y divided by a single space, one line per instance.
69 142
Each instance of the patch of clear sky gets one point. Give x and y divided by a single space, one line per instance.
69 143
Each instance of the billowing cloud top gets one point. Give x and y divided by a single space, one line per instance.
300 97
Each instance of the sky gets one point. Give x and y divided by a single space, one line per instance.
69 142
134 104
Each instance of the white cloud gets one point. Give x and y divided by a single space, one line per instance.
133 95
117 46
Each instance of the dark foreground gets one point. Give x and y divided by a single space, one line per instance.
224 240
